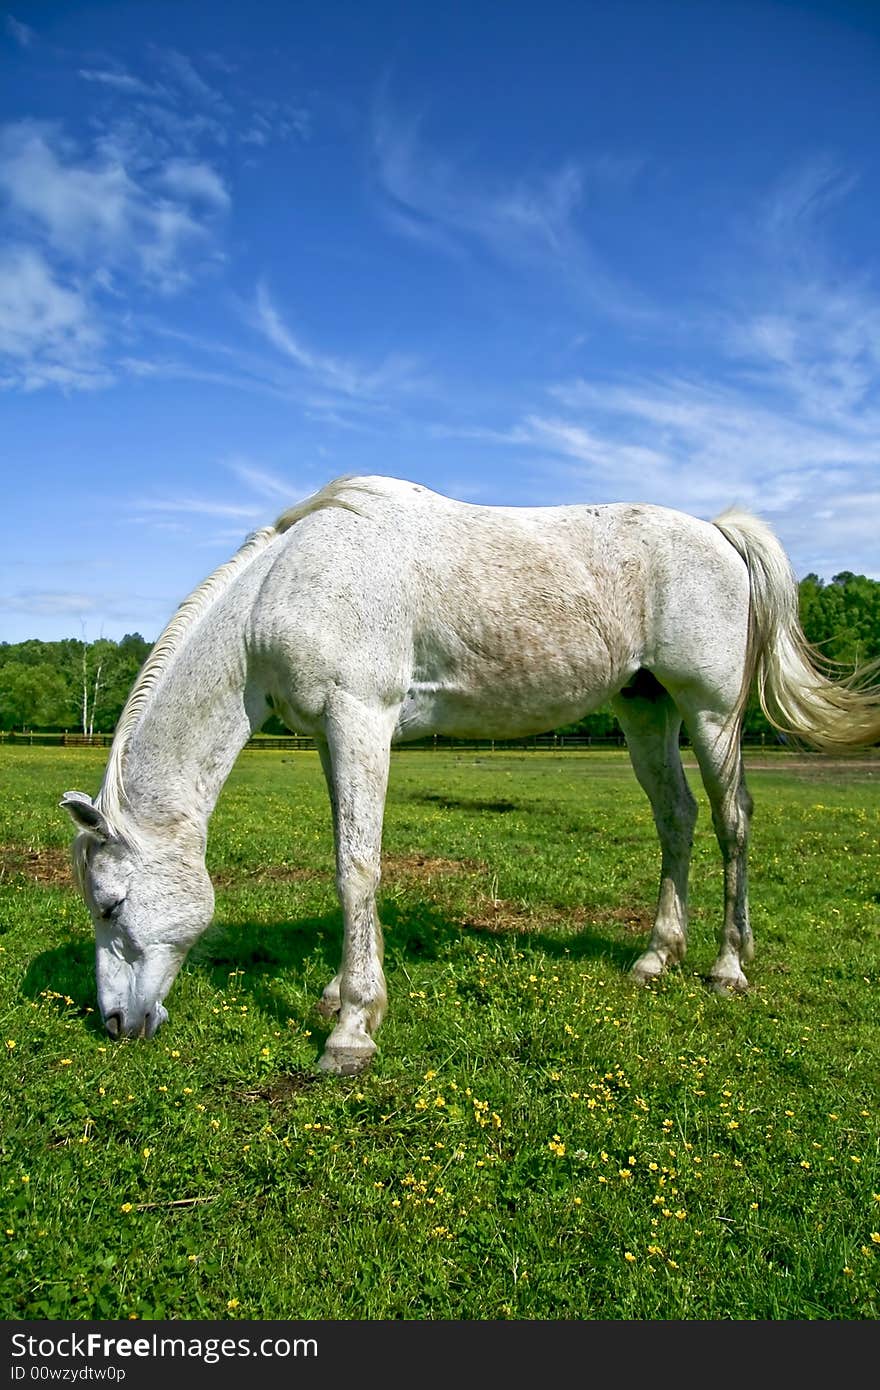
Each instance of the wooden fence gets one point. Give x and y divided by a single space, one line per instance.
301 742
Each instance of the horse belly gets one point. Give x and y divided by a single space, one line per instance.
503 703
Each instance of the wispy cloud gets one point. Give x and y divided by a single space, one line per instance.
195 506
699 446
121 81
781 414
189 79
50 603
396 373
819 343
170 107
92 610
264 483
535 222
801 198
22 33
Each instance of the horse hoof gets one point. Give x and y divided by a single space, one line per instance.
644 977
346 1061
729 986
647 968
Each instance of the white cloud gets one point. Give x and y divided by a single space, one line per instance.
93 211
83 233
75 206
133 211
195 182
48 334
36 312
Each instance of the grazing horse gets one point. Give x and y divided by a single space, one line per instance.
378 611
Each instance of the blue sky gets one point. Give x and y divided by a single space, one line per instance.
521 253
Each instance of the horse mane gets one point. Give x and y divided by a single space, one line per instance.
112 798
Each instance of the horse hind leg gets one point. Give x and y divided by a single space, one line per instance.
716 742
330 1003
651 723
356 761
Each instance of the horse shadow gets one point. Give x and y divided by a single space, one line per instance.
266 955
453 803
67 972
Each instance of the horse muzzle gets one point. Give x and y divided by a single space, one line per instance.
119 1025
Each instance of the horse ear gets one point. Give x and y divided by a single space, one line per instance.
85 814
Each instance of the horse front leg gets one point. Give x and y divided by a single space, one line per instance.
356 760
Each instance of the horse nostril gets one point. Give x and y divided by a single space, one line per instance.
113 1024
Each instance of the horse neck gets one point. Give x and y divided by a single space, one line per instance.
192 728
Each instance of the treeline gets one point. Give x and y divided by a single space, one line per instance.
82 686
73 685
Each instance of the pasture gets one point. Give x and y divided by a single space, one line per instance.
537 1138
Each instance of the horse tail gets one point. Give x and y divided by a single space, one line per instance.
802 693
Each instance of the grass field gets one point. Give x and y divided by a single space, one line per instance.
537 1139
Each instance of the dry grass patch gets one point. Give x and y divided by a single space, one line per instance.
49 865
499 916
423 867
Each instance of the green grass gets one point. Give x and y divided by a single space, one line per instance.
537 1138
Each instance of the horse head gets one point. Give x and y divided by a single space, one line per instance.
150 898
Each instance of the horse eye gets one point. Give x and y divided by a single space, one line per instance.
108 912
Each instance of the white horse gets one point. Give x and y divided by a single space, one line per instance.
379 611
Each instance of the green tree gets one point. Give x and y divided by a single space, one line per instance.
33 695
